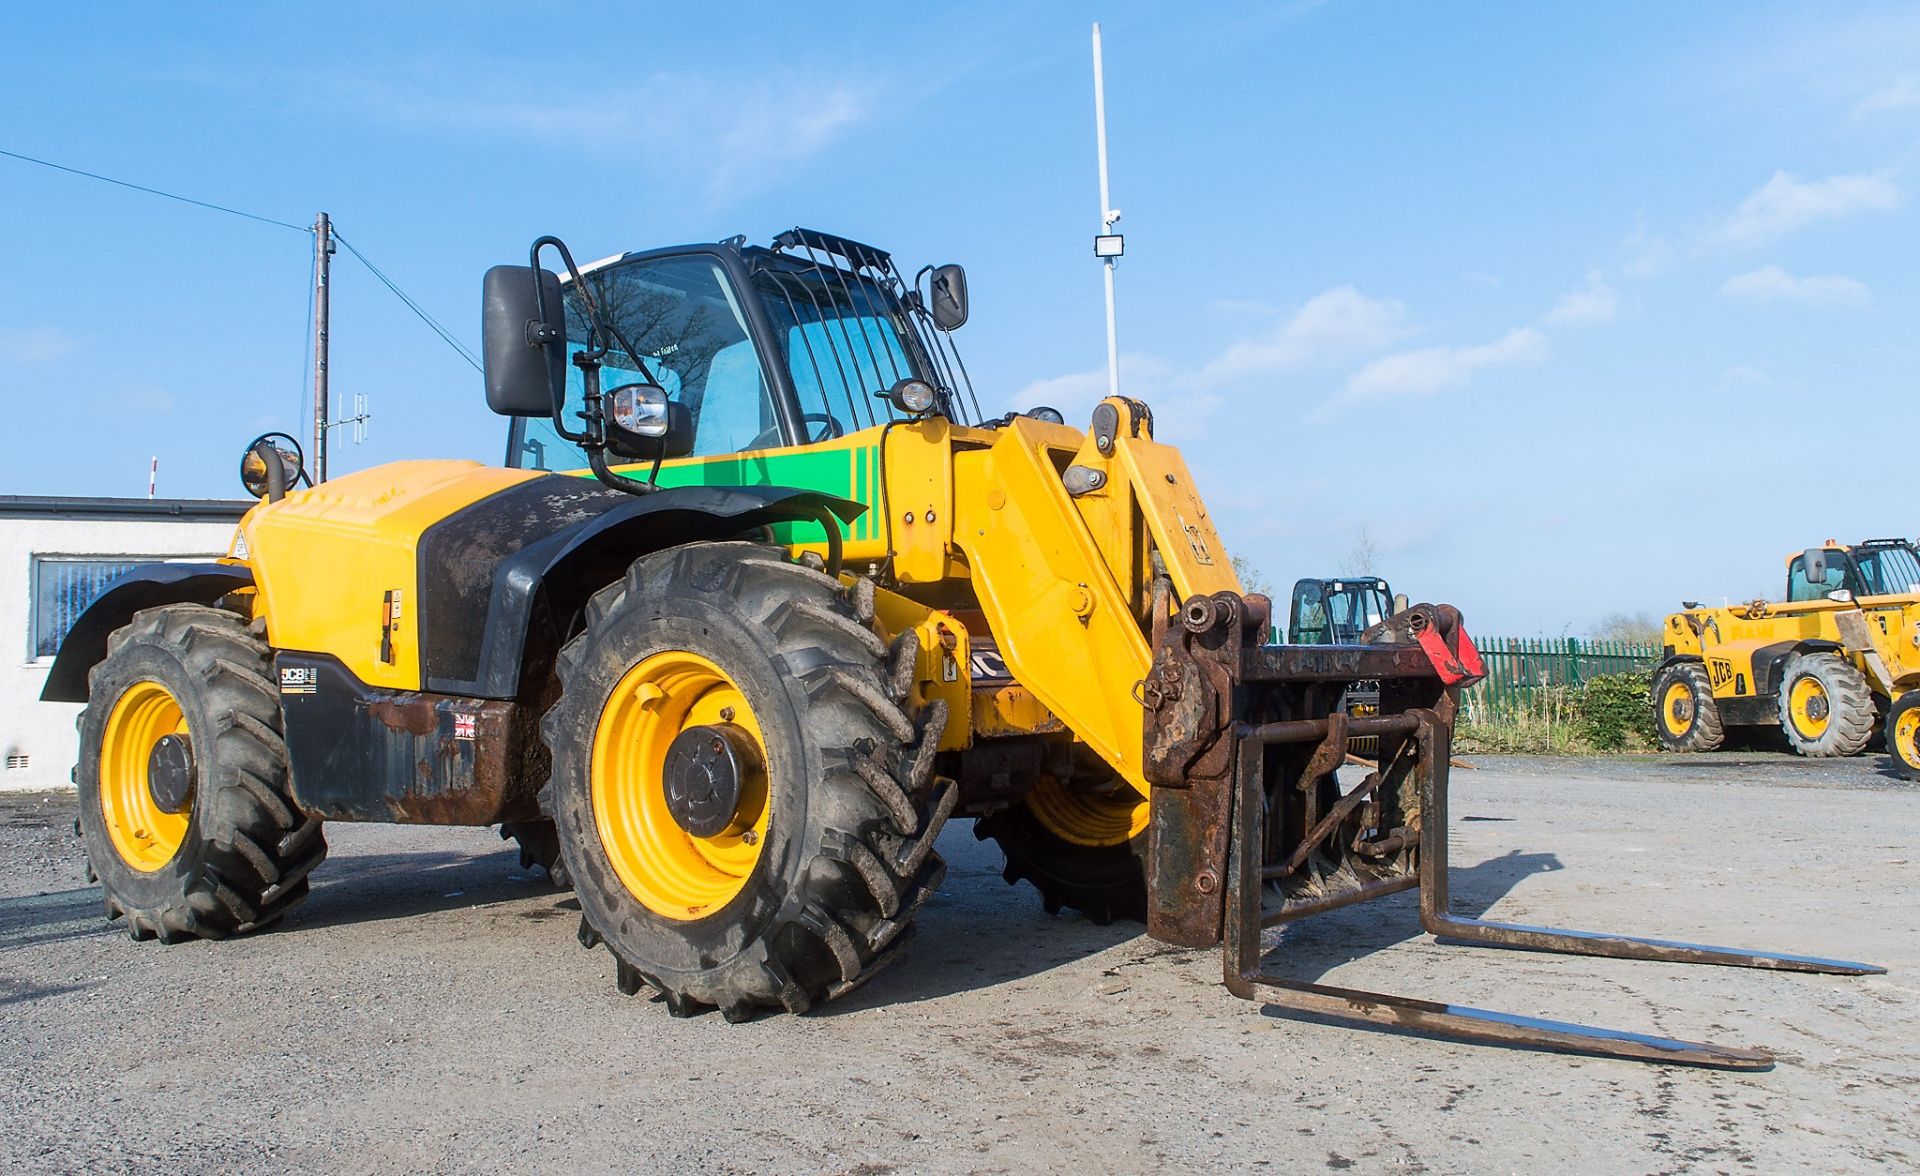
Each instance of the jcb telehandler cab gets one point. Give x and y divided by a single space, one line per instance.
800 604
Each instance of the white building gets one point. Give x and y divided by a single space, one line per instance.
55 556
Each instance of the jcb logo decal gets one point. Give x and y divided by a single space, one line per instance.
1720 671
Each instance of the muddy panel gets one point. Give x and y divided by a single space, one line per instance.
360 754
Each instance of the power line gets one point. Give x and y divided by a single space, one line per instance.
415 307
265 220
432 323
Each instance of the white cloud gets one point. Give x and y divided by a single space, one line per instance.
1141 375
138 398
1594 303
1335 326
34 344
1745 375
1770 283
733 128
1899 94
1431 369
1786 204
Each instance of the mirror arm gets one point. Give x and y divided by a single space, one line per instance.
276 473
594 438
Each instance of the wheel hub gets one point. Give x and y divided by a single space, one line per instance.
705 770
170 773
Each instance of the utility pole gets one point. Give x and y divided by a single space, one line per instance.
1107 244
322 250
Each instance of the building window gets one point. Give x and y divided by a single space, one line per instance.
62 590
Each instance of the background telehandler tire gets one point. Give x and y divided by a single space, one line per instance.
1684 713
1903 734
1826 706
184 804
827 852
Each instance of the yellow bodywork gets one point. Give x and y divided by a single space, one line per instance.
337 565
969 519
985 548
1880 635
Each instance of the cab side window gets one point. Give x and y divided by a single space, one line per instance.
682 318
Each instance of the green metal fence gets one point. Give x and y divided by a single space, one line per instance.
1522 671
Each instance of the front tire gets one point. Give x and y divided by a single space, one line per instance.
1826 707
1684 713
804 882
184 801
1903 735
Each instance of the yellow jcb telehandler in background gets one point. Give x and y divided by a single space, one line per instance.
1835 662
790 603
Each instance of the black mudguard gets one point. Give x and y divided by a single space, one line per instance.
508 574
147 586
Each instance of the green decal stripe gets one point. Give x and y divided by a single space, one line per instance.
840 471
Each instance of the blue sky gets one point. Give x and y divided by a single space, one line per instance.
1572 311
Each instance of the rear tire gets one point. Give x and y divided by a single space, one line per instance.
235 858
1684 713
1070 862
1903 735
1826 707
844 805
539 844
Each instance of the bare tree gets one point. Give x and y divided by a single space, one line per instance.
1251 579
1364 559
1631 628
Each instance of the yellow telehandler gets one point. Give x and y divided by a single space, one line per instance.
1835 662
759 600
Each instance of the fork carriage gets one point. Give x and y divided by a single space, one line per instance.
1244 745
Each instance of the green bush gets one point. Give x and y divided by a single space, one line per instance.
1614 710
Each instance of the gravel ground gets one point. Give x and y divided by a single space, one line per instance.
429 1009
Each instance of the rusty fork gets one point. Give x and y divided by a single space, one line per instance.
1431 737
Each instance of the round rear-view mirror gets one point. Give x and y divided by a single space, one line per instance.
271 463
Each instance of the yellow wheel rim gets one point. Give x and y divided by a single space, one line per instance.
671 872
1906 736
1088 818
145 837
1809 707
1676 708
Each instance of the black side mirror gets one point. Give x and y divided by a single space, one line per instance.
949 297
525 348
1813 564
271 466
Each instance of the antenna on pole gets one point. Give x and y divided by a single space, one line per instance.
153 475
1107 244
322 250
358 420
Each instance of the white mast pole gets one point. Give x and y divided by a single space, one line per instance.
1109 215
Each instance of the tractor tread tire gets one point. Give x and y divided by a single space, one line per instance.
248 849
539 844
1104 883
1708 731
862 859
1851 713
1904 750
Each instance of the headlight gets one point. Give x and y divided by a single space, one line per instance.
1050 415
912 396
640 409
